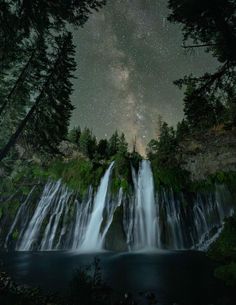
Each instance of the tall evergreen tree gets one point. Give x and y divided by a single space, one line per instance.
49 114
87 143
29 31
74 135
113 144
122 145
212 25
102 149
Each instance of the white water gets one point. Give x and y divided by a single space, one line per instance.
31 234
51 228
82 217
93 238
145 209
20 213
62 220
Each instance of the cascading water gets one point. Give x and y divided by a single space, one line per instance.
145 210
31 234
82 217
19 215
93 238
143 218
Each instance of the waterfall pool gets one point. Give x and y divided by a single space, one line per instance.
175 277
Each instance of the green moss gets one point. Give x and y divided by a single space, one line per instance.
15 235
226 178
12 208
174 178
77 174
121 176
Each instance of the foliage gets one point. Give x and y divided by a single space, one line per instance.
135 159
15 235
102 149
209 99
87 143
121 177
163 150
74 135
113 144
226 178
182 130
78 174
174 177
223 250
50 120
201 112
87 286
37 63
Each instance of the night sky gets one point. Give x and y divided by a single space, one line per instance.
128 56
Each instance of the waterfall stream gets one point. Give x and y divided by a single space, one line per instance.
142 218
145 210
92 237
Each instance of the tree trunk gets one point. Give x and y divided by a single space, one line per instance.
19 130
19 81
13 139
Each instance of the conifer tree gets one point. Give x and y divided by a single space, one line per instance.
113 144
29 31
210 25
49 114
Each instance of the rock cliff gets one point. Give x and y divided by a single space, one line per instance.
206 154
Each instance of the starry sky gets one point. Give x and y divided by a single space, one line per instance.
128 56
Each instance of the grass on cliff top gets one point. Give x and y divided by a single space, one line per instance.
77 174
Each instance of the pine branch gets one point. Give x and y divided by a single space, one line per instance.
13 139
18 82
200 45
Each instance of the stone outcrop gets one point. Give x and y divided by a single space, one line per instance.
203 155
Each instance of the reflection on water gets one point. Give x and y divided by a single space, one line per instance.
182 277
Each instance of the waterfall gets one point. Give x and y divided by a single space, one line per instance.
82 217
173 222
31 234
93 238
145 209
20 214
51 228
146 218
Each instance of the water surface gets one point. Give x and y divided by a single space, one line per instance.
182 277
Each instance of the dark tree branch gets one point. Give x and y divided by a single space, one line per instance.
18 82
200 45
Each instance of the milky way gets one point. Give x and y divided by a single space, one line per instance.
128 56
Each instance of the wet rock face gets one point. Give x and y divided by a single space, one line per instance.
207 154
116 237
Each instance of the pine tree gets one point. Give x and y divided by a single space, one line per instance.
113 144
210 25
102 149
88 143
74 135
48 117
122 145
29 31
